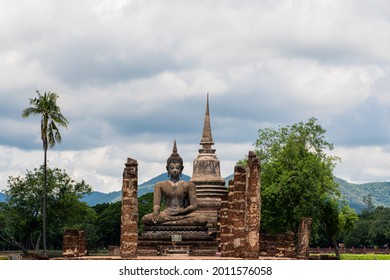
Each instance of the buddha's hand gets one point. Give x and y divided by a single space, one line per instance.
175 212
178 212
155 216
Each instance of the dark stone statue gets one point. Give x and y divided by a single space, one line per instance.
180 198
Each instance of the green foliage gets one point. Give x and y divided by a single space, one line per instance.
372 229
22 214
336 220
296 174
145 206
108 220
109 223
51 117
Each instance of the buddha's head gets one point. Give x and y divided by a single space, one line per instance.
174 164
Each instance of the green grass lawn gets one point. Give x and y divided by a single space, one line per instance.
365 256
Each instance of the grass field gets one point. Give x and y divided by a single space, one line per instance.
358 256
365 256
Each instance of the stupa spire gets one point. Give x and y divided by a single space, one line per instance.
207 137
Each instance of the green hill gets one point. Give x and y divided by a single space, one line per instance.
2 197
353 193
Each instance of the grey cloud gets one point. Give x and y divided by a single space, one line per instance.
365 126
139 73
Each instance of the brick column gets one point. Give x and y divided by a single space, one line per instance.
252 216
75 243
224 225
229 249
304 233
82 243
70 243
239 209
129 216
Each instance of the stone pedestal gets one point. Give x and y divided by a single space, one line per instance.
162 240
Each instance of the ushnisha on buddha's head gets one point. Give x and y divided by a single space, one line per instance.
174 164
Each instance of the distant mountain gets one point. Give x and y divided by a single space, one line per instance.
147 187
353 193
100 198
2 197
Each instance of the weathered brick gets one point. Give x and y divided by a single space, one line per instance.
129 217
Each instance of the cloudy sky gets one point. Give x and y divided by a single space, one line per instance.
132 76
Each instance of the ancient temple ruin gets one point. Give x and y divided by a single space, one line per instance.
178 228
206 176
202 217
232 227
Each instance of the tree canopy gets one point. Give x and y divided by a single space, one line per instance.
372 229
296 173
22 213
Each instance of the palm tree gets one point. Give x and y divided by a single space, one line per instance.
51 117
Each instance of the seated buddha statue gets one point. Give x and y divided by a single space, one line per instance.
180 198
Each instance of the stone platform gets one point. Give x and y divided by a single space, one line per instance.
169 240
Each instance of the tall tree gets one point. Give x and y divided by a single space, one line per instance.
21 215
296 175
297 181
336 218
51 118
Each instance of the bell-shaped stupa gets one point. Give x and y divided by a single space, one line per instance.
206 175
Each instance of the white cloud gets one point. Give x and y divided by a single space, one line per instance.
328 88
122 68
363 164
20 72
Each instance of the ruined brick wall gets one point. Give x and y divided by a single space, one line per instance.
239 209
74 243
252 211
304 233
240 221
224 227
129 215
227 212
277 245
240 214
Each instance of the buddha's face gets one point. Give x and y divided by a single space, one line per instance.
174 170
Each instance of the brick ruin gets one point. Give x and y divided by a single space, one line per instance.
239 221
278 245
240 213
74 243
234 213
129 215
233 228
304 238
